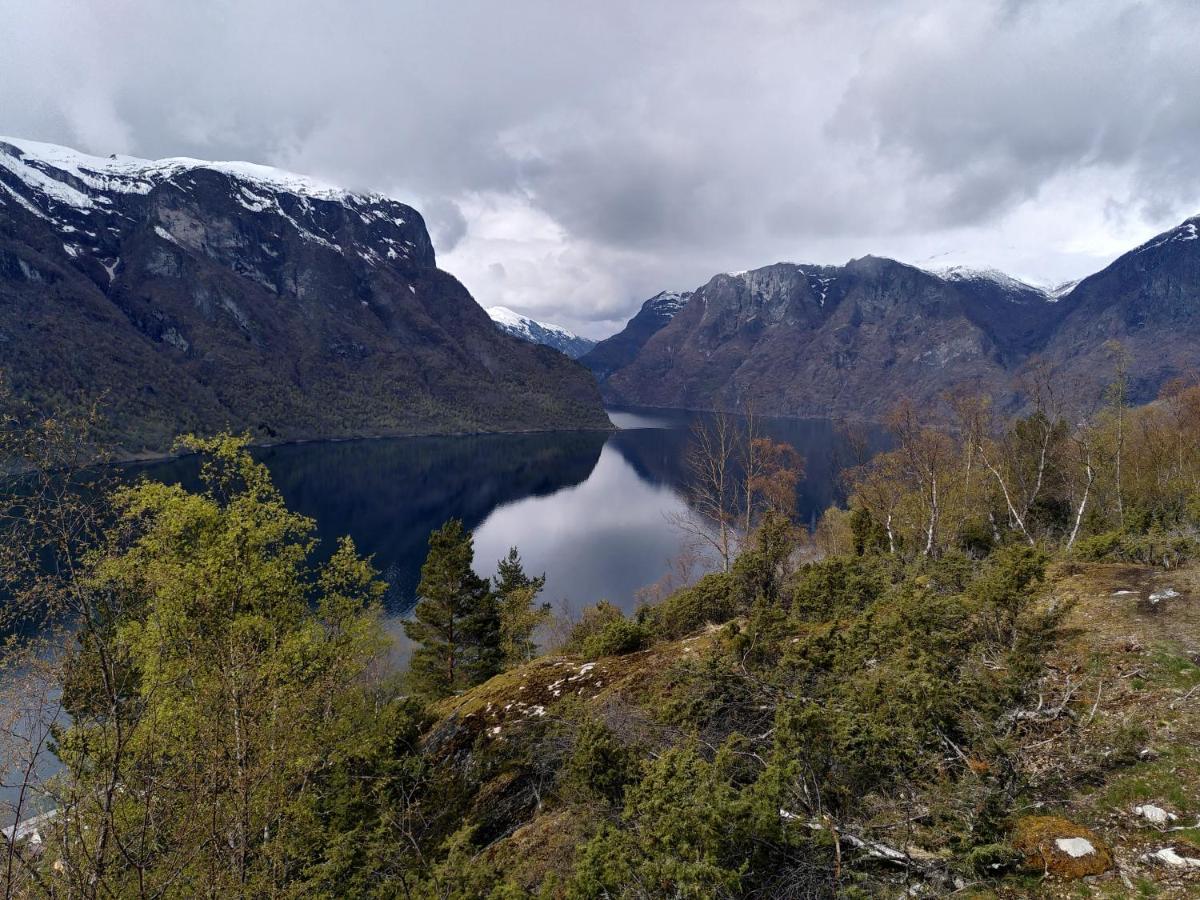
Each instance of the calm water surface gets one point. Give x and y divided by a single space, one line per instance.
591 510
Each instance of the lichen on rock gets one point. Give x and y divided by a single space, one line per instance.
1060 847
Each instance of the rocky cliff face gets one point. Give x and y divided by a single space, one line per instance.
622 348
810 340
1149 301
814 340
198 296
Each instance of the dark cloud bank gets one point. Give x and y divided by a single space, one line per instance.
574 158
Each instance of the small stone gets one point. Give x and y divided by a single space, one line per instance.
1168 856
1155 815
1075 847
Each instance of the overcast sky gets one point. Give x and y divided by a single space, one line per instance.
574 158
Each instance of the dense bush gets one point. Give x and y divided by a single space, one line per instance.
616 637
593 620
840 585
709 601
1155 547
599 765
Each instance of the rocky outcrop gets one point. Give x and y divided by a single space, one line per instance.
198 296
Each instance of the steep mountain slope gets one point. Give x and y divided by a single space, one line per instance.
618 351
536 332
855 339
1149 301
1015 314
810 340
198 295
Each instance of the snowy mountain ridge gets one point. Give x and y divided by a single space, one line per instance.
536 332
89 201
43 166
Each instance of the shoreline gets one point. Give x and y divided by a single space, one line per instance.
149 457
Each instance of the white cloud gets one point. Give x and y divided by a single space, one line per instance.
573 160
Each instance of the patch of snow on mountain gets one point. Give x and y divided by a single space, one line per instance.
536 332
1001 279
668 302
38 179
502 315
1059 291
41 166
970 273
1188 231
819 284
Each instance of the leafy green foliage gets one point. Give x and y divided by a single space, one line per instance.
840 585
1156 546
694 827
868 535
218 760
616 637
599 765
590 624
708 602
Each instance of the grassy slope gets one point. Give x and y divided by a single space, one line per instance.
1129 734
1135 737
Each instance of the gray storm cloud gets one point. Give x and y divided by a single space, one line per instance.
572 159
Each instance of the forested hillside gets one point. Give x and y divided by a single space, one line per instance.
978 677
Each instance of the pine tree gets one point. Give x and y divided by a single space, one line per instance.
510 575
516 593
457 621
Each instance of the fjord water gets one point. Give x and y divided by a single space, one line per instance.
590 509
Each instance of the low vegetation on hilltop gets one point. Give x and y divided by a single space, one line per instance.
978 678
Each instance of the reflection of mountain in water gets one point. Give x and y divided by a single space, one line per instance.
389 494
658 454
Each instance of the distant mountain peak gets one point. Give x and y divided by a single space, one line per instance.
536 332
1003 280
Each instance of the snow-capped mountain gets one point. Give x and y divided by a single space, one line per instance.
73 192
1014 287
202 295
536 332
